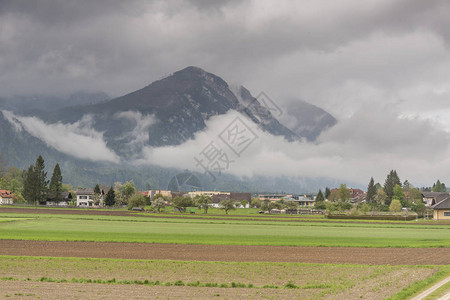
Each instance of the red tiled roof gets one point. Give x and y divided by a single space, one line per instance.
6 194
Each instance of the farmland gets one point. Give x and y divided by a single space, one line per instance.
210 278
56 227
116 254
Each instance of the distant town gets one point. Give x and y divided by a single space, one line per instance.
18 187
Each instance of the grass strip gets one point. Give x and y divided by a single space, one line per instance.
421 285
439 292
288 285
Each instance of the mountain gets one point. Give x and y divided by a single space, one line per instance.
174 109
167 112
307 120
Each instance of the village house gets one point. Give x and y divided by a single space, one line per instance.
441 210
432 198
85 198
6 197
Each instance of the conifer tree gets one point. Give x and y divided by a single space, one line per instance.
97 189
41 179
110 199
392 179
35 183
319 197
438 187
56 184
371 191
29 185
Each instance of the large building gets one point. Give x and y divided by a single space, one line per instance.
301 200
164 193
273 197
206 193
237 197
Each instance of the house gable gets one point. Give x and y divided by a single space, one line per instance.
441 210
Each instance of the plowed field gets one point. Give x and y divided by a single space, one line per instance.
392 256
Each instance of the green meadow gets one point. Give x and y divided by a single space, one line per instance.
55 227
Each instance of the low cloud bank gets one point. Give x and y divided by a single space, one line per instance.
77 139
370 143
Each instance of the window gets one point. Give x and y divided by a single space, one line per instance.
446 213
83 197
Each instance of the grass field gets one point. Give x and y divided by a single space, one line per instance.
210 231
308 281
48 277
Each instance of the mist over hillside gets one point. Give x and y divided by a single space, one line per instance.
96 139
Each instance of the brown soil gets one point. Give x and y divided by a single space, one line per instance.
378 287
51 290
377 256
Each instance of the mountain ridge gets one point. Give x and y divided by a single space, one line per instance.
167 112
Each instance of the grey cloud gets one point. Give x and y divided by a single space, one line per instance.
380 67
59 45
343 153
139 135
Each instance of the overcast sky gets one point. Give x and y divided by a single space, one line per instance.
382 68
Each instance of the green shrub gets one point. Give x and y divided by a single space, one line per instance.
211 284
290 285
196 283
179 283
137 200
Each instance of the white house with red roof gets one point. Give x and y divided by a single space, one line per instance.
6 197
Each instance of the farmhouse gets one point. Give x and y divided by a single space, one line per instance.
86 198
6 197
441 210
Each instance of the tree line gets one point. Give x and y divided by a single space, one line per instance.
393 195
37 189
